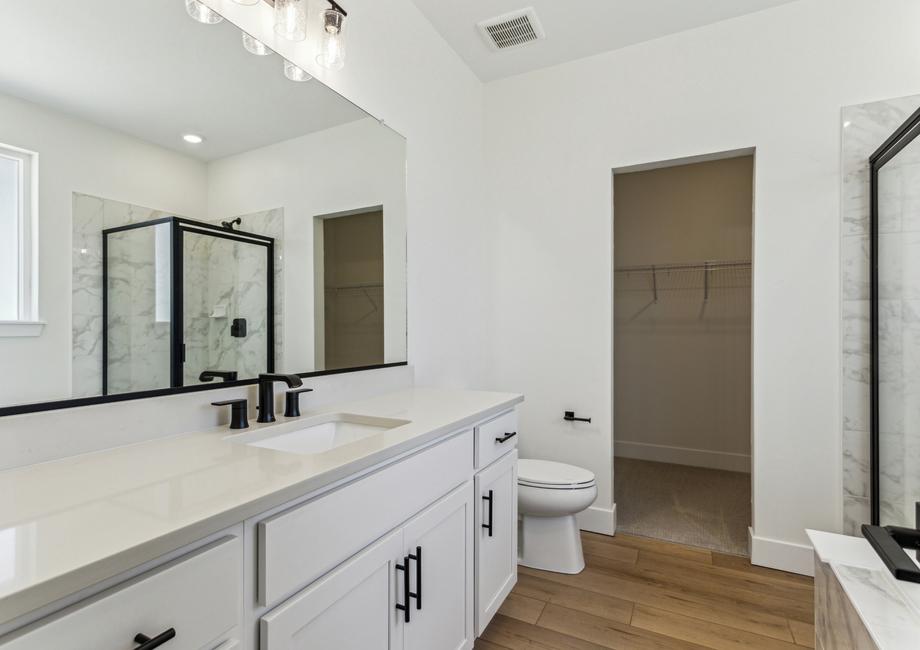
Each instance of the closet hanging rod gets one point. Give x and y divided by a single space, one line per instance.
716 265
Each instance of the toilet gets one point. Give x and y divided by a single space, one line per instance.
550 494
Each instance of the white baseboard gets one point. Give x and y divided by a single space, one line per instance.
683 456
786 556
598 520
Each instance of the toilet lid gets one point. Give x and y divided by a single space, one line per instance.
550 473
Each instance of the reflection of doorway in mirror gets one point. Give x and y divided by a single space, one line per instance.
351 319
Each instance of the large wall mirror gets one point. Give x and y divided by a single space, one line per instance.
177 212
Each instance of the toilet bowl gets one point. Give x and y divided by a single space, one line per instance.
550 494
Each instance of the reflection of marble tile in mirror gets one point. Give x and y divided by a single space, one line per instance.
279 155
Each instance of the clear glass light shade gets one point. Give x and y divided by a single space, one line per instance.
291 19
332 48
295 73
201 13
255 46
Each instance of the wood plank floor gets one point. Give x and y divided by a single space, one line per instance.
644 594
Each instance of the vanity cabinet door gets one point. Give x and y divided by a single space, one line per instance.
442 617
352 608
495 531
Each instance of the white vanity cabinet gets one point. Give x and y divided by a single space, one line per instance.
197 597
425 566
496 532
415 553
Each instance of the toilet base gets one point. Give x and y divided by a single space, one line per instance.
551 544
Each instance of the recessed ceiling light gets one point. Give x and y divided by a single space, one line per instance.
193 138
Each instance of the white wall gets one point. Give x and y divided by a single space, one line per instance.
357 165
774 80
76 156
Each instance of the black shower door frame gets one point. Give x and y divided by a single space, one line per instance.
903 136
178 227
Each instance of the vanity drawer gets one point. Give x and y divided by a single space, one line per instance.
198 596
301 544
493 440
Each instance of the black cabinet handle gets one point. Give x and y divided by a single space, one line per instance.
146 643
404 567
505 438
418 577
488 526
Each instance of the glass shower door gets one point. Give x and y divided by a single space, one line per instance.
227 306
136 308
896 329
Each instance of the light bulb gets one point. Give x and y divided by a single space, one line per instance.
295 73
255 46
332 49
193 138
201 13
291 19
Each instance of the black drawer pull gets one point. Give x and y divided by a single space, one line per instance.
505 438
417 594
404 567
488 526
146 643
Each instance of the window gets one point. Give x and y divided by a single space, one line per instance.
18 303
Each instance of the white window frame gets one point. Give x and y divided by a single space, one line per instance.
28 322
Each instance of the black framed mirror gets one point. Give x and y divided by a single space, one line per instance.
180 211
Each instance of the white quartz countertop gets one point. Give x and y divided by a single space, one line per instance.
68 524
888 608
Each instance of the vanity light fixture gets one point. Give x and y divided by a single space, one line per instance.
255 46
295 73
193 138
332 48
291 19
202 13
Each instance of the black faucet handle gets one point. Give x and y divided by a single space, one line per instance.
292 401
239 412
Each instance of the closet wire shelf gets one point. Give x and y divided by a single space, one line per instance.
706 267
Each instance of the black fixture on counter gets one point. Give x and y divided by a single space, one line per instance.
239 412
147 643
891 542
569 416
223 375
292 401
267 393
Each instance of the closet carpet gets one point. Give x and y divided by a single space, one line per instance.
695 506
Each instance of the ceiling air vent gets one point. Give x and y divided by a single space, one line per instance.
512 29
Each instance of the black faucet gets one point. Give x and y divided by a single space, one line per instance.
267 393
223 375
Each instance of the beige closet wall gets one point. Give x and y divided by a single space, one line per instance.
683 364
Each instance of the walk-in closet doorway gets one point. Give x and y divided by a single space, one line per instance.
682 350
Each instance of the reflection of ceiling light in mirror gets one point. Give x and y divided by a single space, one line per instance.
202 13
332 49
294 73
193 138
255 46
291 19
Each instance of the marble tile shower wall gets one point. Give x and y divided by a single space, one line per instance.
140 338
865 128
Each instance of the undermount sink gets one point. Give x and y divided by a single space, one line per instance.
318 434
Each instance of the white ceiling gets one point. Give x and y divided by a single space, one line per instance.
573 29
145 68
